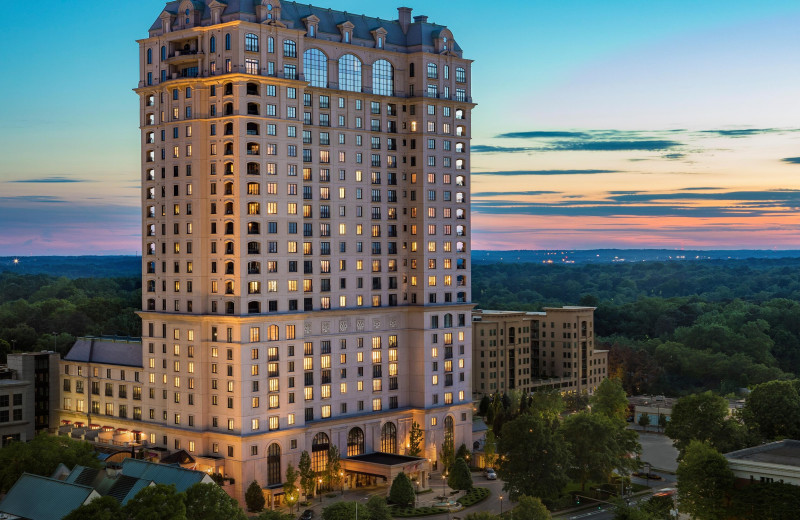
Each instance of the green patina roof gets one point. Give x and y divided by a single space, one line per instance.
25 498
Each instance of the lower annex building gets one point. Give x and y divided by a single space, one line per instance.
514 350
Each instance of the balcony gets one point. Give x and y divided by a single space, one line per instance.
184 56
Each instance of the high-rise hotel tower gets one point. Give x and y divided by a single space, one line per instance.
305 233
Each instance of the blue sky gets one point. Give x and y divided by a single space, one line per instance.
691 109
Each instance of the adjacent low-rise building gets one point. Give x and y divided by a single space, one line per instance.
515 350
772 462
28 397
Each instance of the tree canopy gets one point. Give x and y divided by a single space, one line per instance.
158 502
41 456
402 491
211 502
704 417
704 482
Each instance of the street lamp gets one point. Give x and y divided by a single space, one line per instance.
501 505
341 478
444 479
319 489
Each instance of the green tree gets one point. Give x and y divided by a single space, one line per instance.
254 498
704 417
594 442
610 400
290 492
447 456
490 449
103 508
535 458
211 502
377 509
159 502
415 440
530 508
482 515
624 511
41 456
460 476
463 452
342 511
662 421
547 404
483 406
333 472
774 500
773 410
307 476
402 491
644 420
704 482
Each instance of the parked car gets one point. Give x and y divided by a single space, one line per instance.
307 515
487 469
491 475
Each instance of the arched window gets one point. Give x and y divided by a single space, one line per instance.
163 53
382 78
229 287
389 438
460 147
229 168
252 89
433 71
270 44
319 452
229 208
254 307
355 442
252 128
350 73
228 129
230 307
229 268
273 464
459 113
212 44
461 197
448 320
149 56
252 109
459 164
460 181
253 149
251 42
228 42
228 148
460 246
461 280
228 248
460 130
228 89
253 267
151 304
229 228
272 333
449 433
253 228
252 168
151 286
315 67
254 248
228 188
228 109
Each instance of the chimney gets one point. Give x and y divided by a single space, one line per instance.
404 17
420 19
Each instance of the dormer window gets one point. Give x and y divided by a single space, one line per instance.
444 43
380 37
312 23
311 31
187 17
346 29
269 11
347 37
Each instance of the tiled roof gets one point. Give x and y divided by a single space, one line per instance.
26 498
419 33
162 473
106 351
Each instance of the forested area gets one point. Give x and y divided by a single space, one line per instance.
672 327
42 312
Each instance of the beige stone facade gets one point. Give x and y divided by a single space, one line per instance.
529 350
306 251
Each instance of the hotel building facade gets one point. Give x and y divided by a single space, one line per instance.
526 351
305 233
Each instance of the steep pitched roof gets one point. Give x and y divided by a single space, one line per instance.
106 351
419 32
24 499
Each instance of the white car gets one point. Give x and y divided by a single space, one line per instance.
491 475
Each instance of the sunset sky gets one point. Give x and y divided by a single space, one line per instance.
623 124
